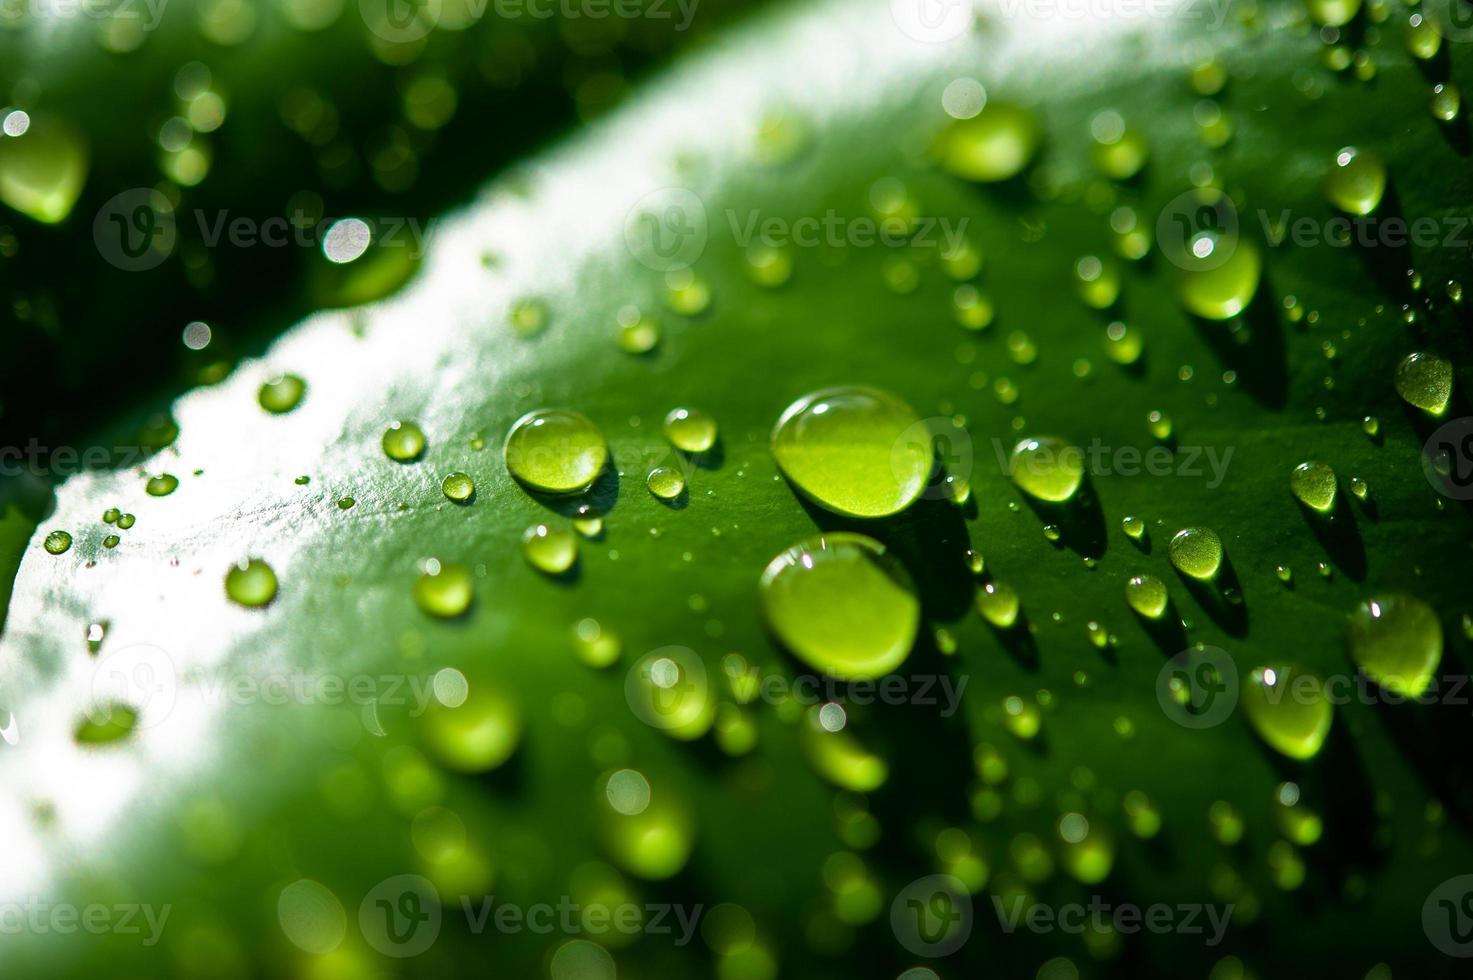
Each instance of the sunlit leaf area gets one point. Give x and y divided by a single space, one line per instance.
703 490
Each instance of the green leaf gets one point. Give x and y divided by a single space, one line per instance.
275 824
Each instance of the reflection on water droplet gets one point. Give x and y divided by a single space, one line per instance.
443 589
549 549
281 394
998 603
1425 381
1314 485
57 542
1147 595
1356 181
1047 468
690 429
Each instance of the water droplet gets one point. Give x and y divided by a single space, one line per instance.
1047 468
686 293
1088 852
346 503
998 603
43 168
1313 484
653 844
1371 426
160 486
57 542
1123 343
993 145
1425 381
1360 489
961 260
443 589
1333 13
634 332
596 646
1147 595
1052 532
549 549
1218 288
976 562
1134 527
111 541
1097 281
854 450
769 265
251 582
1196 552
1020 717
842 604
1356 181
458 487
555 451
665 482
971 307
528 317
106 723
1397 640
1287 707
1423 38
1119 153
126 521
1142 814
477 734
1446 102
1285 573
690 430
403 441
1159 424
281 394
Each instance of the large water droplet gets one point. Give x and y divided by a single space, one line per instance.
993 145
251 582
1313 483
1047 468
1397 640
57 542
1356 181
854 450
1287 707
443 589
404 442
842 604
1147 595
42 169
1425 381
556 451
1196 552
690 430
281 394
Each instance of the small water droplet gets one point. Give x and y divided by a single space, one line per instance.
57 542
665 482
1147 595
1356 181
1196 552
403 441
1313 484
443 589
281 394
549 549
556 451
1397 640
160 486
998 603
1047 468
690 430
1425 381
